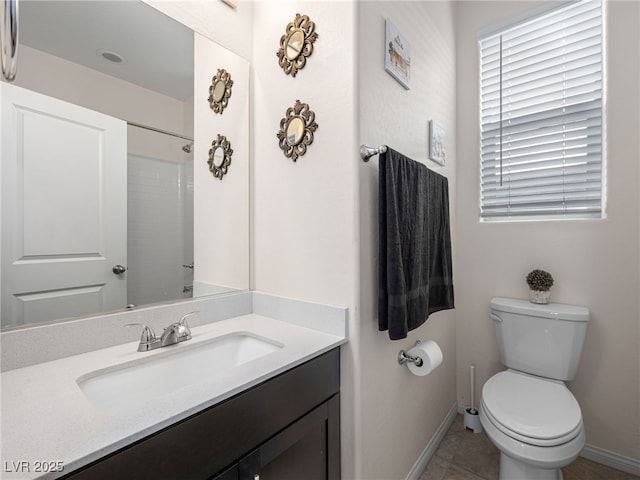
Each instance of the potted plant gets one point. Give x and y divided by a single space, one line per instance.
540 283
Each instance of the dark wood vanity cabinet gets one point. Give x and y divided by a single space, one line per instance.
286 428
304 450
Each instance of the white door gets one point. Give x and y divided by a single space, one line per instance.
63 208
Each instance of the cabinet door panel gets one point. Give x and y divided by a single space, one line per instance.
306 458
302 450
229 474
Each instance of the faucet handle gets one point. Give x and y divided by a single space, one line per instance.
184 332
183 320
148 335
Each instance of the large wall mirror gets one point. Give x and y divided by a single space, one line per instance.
106 192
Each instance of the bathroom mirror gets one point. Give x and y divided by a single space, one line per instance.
131 62
296 130
296 45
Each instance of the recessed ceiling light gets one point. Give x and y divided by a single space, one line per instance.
111 56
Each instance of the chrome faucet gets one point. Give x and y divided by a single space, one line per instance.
175 333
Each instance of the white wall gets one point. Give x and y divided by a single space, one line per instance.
304 210
221 206
103 93
230 27
401 412
76 84
305 233
594 263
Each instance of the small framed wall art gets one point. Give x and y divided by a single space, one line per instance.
436 142
397 55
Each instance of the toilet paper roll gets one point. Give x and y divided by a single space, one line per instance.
430 354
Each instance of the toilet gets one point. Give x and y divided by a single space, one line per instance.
527 411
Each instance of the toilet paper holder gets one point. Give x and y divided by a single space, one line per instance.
404 358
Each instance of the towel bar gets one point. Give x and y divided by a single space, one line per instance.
366 152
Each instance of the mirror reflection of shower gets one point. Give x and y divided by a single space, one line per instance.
159 216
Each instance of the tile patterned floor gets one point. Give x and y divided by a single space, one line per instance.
464 455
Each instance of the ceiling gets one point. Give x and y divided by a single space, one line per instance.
158 50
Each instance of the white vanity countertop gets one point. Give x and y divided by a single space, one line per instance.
47 418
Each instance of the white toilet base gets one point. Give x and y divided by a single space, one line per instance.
529 462
512 469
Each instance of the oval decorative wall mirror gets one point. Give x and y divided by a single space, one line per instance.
296 44
296 130
220 90
220 156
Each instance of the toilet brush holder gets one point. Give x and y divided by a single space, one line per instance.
472 420
471 415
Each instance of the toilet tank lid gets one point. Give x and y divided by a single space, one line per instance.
574 313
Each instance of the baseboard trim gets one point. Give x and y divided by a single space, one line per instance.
610 459
430 449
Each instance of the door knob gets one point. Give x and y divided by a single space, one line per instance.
119 269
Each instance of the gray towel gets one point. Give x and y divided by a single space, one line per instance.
415 269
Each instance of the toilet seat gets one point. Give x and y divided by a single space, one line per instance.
533 410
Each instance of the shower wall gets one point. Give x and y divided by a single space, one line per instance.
160 229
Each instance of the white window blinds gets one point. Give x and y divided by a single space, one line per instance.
541 116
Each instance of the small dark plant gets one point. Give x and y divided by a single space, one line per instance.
539 280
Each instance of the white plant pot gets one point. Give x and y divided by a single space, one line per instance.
539 296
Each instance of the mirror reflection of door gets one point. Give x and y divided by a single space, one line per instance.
64 213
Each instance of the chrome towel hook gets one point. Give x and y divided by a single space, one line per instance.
9 39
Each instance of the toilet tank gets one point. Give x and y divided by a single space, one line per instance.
544 340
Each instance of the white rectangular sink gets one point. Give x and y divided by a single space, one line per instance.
172 368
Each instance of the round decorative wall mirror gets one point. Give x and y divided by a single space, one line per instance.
220 90
296 44
220 156
296 130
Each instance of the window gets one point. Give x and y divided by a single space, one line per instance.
541 117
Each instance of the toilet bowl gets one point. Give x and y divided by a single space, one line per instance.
527 411
536 424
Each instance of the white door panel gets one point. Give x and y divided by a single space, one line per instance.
63 208
75 302
52 186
